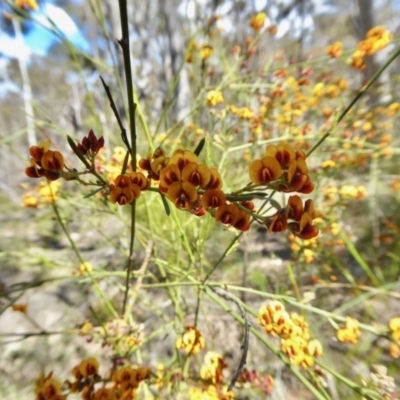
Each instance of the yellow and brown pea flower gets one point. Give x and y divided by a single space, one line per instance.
295 217
45 162
284 167
127 188
349 333
285 170
231 214
296 342
192 341
48 388
154 164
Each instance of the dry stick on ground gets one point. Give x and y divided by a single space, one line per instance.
245 346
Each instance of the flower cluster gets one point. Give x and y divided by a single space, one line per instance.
191 185
123 383
377 39
194 187
293 330
350 332
45 162
211 372
127 188
85 374
296 217
284 167
42 194
50 164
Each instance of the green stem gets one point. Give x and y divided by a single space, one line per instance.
125 46
81 260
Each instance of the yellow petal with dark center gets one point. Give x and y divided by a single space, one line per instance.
123 181
265 170
294 208
213 198
169 175
182 194
182 157
215 180
52 161
196 174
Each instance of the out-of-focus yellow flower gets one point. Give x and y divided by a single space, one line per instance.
48 191
242 112
394 326
211 393
30 200
377 39
353 192
308 255
393 109
341 83
192 340
328 164
335 49
214 97
206 51
86 328
350 332
27 4
295 348
330 192
319 90
212 369
85 267
257 21
314 348
332 91
335 228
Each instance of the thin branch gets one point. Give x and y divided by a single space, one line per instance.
363 90
117 116
124 43
245 346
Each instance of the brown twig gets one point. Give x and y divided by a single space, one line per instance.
245 345
117 116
